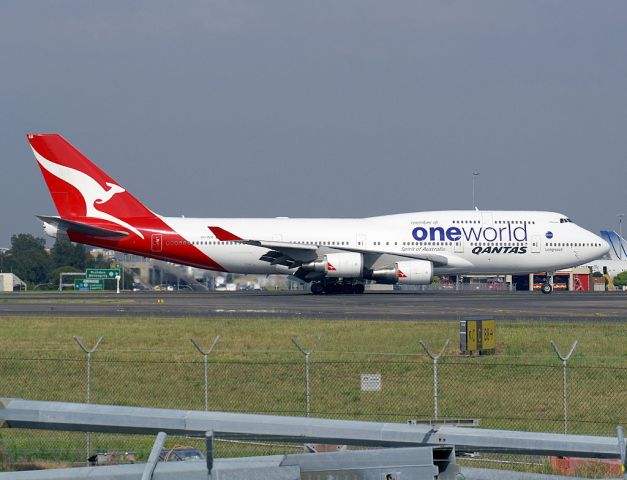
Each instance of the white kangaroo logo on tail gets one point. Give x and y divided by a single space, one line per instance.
90 189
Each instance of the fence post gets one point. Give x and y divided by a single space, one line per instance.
88 351
206 354
435 359
210 452
564 359
307 354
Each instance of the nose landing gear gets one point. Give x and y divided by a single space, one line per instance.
547 287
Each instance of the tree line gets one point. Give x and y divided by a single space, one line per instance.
29 259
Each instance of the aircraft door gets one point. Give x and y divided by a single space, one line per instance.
459 246
156 242
535 244
361 240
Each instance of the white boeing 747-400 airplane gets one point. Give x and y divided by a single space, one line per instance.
334 255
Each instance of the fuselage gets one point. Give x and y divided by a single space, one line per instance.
479 242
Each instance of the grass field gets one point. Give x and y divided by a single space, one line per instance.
169 338
256 368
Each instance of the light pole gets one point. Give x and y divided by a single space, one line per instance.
475 174
620 233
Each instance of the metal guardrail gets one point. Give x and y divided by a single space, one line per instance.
31 414
415 463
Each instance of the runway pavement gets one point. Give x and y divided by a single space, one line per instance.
562 306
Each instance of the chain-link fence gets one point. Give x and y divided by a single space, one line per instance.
503 392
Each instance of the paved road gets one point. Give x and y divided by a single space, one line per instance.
371 306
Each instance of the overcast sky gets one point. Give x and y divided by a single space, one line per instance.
321 108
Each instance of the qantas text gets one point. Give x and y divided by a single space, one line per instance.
479 250
475 234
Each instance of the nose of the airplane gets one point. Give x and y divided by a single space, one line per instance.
604 247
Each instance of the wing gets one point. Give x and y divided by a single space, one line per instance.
288 254
437 260
294 255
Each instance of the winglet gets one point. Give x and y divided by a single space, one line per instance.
223 235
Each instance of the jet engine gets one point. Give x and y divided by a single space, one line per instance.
336 265
410 272
54 231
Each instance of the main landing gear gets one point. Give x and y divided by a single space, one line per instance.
547 286
339 287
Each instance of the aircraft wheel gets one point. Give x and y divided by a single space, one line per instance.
547 288
359 288
316 288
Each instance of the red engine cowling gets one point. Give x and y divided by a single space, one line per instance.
409 272
336 265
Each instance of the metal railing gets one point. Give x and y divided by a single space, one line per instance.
17 413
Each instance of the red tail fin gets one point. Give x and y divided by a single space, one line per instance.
79 188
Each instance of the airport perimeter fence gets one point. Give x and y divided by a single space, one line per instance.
502 392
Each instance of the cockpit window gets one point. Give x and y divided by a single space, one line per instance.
565 220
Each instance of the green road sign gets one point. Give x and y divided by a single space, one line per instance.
102 273
88 284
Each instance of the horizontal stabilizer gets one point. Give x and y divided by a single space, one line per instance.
82 228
